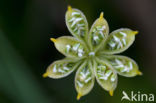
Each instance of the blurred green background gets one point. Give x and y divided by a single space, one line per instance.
26 51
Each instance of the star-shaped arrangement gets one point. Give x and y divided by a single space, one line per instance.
91 53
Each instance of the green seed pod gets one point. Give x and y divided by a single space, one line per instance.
61 68
70 46
76 23
84 79
123 65
98 32
118 41
105 75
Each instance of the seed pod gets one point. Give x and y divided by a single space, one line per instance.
98 32
123 65
105 75
61 68
118 41
70 46
76 23
84 79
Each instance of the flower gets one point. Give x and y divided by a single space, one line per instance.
91 53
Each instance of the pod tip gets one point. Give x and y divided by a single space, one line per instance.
111 92
45 75
79 96
53 40
69 8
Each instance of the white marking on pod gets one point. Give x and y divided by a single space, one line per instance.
123 34
76 46
118 41
75 13
126 69
108 73
87 80
120 64
79 84
122 67
80 25
102 66
101 33
78 31
72 19
54 69
75 29
80 50
84 75
104 77
81 28
101 28
96 38
130 65
76 21
91 53
101 74
66 68
68 48
113 77
116 38
124 41
61 71
112 44
80 54
119 45
101 70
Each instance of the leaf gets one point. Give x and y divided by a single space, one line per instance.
61 68
123 65
99 32
76 23
17 79
84 79
118 41
70 46
105 75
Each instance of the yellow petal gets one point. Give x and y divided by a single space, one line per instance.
45 75
111 92
53 40
79 96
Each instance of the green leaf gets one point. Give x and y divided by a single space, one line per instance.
84 79
98 33
76 23
123 65
70 46
105 75
17 79
61 68
118 41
